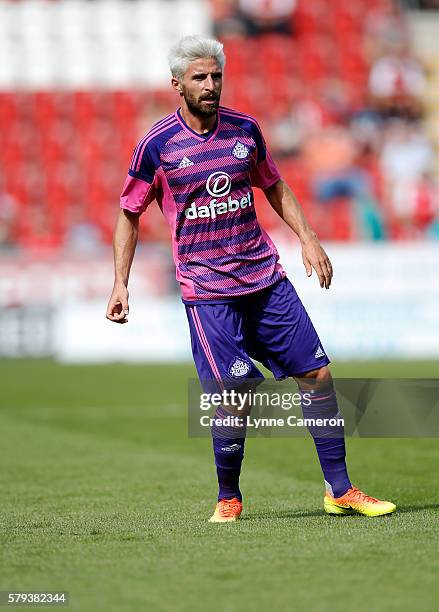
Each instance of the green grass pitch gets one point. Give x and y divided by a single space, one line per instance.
103 495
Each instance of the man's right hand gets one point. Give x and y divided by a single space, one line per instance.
118 309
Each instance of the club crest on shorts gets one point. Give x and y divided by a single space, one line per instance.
240 151
239 368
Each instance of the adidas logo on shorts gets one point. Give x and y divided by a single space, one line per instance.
319 353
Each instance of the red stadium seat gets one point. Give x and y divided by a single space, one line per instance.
8 108
311 17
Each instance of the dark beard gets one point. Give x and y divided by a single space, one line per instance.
198 109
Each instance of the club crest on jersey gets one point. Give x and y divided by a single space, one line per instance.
240 151
239 368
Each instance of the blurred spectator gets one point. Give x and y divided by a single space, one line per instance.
407 162
226 20
262 16
252 17
406 153
396 83
416 212
331 157
396 79
290 125
387 28
366 128
285 133
339 98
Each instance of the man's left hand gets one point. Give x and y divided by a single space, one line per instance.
314 256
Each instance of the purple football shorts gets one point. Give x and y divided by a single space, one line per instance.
270 326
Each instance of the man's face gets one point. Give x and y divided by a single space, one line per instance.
201 86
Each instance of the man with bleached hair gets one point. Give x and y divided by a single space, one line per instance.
201 164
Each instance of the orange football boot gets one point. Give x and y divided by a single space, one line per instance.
355 501
227 510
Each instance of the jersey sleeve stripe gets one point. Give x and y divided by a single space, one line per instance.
154 127
238 115
150 136
159 123
153 130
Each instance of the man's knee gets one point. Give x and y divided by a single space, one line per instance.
320 377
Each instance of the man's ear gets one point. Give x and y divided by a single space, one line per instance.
177 85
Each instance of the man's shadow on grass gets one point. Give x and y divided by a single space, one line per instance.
300 514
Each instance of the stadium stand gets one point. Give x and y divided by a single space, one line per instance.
82 81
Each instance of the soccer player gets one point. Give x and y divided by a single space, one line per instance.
201 164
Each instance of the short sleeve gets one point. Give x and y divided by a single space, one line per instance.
137 194
264 173
140 187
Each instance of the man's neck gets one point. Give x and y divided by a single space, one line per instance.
201 125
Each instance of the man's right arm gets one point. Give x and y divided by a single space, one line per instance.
124 246
138 192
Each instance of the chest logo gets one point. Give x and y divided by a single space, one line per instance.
185 163
219 184
240 151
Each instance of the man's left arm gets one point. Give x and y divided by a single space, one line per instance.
284 202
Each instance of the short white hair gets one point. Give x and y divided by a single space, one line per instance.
190 48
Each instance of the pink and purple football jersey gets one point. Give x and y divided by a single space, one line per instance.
203 185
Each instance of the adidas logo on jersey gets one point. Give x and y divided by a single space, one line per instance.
240 151
185 163
319 353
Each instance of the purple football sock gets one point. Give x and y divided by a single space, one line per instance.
328 439
228 448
